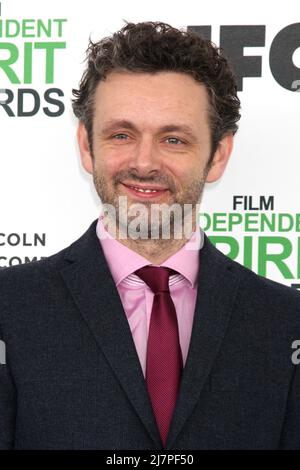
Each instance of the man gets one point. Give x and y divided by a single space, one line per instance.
131 338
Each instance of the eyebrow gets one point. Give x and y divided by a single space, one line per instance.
113 124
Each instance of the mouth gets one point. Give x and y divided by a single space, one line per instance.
144 192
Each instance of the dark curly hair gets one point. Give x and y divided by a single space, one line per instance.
154 47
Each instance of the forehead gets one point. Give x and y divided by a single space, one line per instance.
159 98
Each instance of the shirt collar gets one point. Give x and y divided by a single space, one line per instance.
123 261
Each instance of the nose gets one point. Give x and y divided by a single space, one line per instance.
145 159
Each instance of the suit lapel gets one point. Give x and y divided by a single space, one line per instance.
93 289
217 287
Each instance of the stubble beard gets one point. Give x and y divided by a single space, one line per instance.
188 201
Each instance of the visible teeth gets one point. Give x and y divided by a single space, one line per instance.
145 190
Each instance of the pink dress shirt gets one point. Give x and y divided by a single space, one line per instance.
137 297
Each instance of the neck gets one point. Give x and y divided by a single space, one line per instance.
156 251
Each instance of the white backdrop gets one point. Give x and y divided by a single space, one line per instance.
44 189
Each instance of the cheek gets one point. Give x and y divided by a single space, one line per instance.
186 171
111 160
104 164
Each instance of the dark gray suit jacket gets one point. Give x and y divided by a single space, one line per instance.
73 380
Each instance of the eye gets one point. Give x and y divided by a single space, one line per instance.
174 140
120 136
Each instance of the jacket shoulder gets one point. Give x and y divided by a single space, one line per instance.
259 291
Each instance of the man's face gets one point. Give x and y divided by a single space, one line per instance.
149 132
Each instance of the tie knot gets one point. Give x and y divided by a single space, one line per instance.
156 277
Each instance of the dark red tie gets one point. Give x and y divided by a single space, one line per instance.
164 358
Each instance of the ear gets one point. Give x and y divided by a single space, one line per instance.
84 148
220 158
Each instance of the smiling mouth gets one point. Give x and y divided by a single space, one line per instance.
145 192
